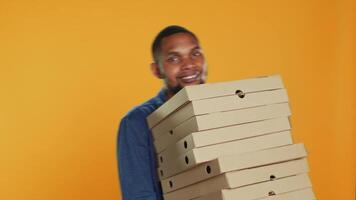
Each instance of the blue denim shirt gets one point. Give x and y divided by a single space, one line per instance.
136 153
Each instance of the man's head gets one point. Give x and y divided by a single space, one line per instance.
178 59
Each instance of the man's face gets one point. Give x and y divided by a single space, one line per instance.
181 62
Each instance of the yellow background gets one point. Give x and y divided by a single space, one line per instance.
69 70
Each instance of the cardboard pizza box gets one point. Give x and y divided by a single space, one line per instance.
196 156
199 155
225 134
303 194
206 153
221 119
240 178
261 190
218 104
232 163
209 90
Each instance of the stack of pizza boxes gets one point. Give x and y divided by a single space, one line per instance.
229 141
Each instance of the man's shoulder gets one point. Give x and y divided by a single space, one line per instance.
140 112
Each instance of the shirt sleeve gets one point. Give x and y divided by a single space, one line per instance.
134 160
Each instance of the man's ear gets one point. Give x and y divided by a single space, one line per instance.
156 71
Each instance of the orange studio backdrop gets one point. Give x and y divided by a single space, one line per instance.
69 70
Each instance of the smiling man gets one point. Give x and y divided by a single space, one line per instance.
179 62
178 59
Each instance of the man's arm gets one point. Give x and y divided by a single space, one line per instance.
134 160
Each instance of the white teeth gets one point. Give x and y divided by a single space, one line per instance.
190 77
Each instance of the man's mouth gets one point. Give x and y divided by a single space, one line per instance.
190 78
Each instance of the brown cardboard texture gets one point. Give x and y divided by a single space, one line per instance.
232 163
219 120
210 90
240 178
225 134
208 153
261 190
218 104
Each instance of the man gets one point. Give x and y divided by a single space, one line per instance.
179 61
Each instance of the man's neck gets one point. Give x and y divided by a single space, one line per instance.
168 94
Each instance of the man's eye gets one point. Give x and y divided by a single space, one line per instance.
174 59
196 53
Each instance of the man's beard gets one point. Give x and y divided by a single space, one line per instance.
177 88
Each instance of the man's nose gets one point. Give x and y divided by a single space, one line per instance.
188 63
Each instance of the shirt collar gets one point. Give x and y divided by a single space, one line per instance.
162 95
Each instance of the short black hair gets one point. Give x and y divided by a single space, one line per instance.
169 30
